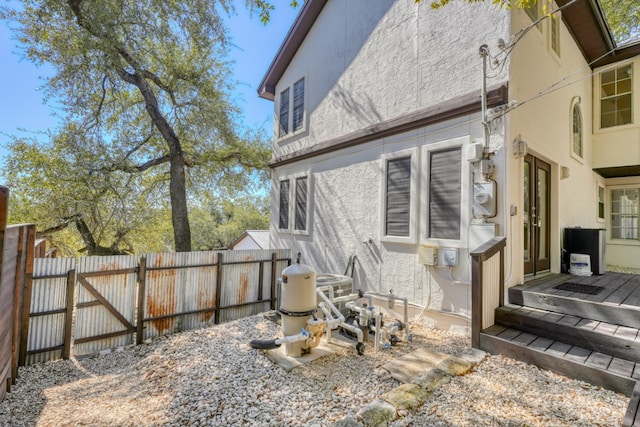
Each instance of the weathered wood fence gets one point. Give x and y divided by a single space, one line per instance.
53 308
88 305
16 264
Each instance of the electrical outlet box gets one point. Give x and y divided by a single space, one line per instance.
450 256
428 255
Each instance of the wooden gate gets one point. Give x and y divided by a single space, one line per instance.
105 303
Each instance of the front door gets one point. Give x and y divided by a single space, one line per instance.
537 213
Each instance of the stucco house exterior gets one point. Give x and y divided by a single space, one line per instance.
407 137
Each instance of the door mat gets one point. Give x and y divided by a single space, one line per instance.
580 288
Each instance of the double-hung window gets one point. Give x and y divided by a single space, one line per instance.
293 204
625 213
291 109
616 96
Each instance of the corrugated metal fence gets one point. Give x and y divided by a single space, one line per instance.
82 307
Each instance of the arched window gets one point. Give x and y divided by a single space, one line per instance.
577 145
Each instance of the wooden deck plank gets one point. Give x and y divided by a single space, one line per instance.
621 366
599 360
563 366
588 324
524 338
558 349
627 333
494 330
541 343
633 299
622 292
607 328
509 334
578 354
569 320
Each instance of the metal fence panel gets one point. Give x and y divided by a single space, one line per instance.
241 279
48 294
105 303
180 291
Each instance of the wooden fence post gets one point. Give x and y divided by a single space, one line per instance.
142 286
218 288
26 293
274 263
68 315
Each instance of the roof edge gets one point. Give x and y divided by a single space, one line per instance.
297 33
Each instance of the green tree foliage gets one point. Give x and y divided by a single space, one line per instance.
144 89
623 17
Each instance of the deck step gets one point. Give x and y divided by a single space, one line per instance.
573 361
615 340
615 305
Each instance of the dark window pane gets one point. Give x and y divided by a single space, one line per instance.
283 220
301 204
398 197
298 104
284 113
445 190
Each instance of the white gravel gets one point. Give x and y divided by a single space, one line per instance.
212 377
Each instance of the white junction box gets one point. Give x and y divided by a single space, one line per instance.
450 256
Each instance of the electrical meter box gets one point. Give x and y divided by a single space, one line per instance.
484 199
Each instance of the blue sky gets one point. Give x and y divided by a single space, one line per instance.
21 104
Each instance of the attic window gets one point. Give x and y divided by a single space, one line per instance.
291 109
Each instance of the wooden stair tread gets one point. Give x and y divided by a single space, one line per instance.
570 360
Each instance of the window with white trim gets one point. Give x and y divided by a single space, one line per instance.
399 196
293 203
291 109
283 211
445 193
625 213
300 208
616 96
576 131
601 205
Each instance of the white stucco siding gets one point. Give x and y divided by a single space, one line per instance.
346 201
617 145
368 62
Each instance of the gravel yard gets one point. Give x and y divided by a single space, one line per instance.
212 377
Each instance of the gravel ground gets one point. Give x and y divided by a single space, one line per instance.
212 377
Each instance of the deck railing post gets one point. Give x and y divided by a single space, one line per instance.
478 257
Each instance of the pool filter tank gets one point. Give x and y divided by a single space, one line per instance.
298 303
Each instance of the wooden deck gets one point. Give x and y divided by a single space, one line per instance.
587 328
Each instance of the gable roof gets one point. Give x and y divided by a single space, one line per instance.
304 21
584 18
260 237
